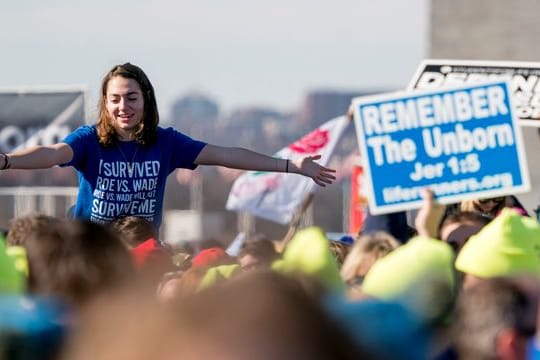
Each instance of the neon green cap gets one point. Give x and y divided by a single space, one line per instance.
508 245
419 273
11 280
309 253
18 254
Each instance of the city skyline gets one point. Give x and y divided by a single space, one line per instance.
238 52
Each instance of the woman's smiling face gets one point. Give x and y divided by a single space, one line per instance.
125 105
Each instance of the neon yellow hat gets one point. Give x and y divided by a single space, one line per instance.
508 245
419 274
11 280
309 253
217 273
18 254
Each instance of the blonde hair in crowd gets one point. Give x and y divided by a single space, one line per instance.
366 250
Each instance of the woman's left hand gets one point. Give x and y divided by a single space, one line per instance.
308 167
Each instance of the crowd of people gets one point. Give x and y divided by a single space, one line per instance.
462 282
462 286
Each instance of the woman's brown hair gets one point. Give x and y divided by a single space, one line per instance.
146 130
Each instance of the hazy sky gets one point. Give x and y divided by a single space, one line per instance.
241 52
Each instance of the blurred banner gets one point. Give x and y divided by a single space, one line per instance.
39 116
276 196
523 78
357 211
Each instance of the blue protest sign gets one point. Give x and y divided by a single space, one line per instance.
463 143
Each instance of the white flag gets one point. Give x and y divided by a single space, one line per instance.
275 196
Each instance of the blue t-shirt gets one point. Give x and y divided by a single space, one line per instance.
127 178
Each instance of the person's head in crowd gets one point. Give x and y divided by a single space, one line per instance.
488 207
509 245
139 236
388 330
126 324
458 227
210 257
152 258
366 250
133 230
179 284
75 261
491 207
21 227
495 319
169 288
257 254
218 323
287 322
181 260
419 274
339 250
182 253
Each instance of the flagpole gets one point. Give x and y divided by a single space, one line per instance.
295 221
